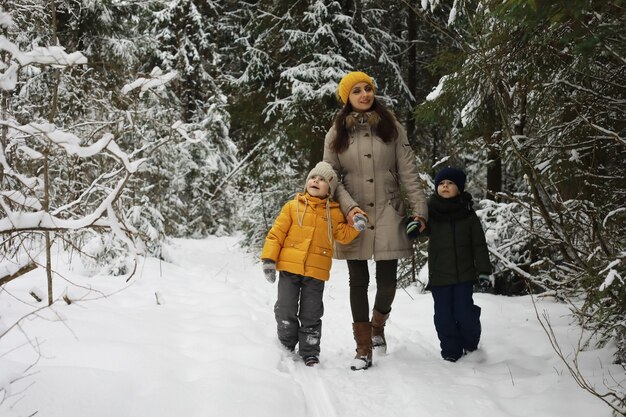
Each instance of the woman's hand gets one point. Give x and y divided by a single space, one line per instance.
350 216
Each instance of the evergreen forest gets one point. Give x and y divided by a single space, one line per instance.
125 123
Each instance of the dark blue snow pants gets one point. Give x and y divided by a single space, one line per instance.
298 311
457 319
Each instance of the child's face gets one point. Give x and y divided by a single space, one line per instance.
361 97
317 187
447 189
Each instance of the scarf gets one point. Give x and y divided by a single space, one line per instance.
450 209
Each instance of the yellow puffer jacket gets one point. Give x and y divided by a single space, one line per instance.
300 239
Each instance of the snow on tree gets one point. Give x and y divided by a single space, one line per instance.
536 81
186 32
59 183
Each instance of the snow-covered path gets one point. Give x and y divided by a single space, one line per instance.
208 348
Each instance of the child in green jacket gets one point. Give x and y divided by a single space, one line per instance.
457 257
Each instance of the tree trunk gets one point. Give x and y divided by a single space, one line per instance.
494 173
412 74
46 167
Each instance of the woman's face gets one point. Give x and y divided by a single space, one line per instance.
361 97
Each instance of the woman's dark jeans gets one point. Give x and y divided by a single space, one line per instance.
386 280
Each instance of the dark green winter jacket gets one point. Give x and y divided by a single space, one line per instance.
457 250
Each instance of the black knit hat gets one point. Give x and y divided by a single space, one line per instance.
455 175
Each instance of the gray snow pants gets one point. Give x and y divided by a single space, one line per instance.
299 311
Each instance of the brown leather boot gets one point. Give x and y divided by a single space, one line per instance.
363 337
379 342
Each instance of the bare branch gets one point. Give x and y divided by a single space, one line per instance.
23 270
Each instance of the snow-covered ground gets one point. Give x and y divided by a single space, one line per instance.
196 337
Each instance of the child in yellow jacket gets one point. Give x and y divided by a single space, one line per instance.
300 246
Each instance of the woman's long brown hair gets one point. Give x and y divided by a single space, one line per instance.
386 128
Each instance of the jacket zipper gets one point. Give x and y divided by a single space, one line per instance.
456 255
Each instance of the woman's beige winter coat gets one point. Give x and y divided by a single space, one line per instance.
371 172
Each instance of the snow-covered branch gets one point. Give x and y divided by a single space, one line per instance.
41 220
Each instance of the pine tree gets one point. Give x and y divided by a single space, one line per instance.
186 32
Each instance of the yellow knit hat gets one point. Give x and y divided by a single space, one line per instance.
349 80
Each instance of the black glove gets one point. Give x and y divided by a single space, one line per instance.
413 229
484 282
360 222
269 269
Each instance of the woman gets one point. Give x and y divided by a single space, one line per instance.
369 150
